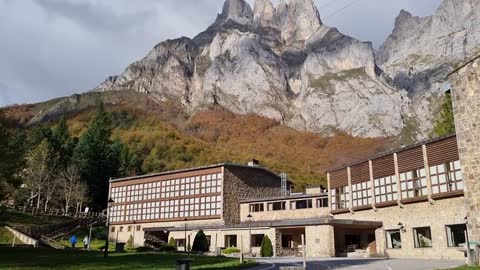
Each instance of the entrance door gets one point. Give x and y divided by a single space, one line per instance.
352 241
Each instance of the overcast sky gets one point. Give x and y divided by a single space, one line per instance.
52 48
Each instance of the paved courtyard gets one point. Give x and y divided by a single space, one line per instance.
358 264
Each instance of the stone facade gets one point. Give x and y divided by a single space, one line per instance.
319 241
240 184
465 83
424 214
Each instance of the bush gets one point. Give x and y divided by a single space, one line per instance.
200 243
130 245
172 242
231 250
167 248
266 249
144 249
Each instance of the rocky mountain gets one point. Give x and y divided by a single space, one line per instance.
282 62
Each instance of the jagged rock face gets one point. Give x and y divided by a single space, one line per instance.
279 61
420 53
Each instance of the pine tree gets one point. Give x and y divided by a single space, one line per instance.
96 159
62 142
200 243
11 159
445 124
266 249
128 164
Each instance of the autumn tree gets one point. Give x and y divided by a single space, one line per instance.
41 163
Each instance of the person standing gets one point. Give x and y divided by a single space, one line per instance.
85 242
73 241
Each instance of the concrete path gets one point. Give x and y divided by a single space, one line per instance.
358 264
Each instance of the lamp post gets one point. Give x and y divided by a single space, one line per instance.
249 234
105 252
185 230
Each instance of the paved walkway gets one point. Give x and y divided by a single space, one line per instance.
358 264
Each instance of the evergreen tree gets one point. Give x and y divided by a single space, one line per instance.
11 159
200 243
171 242
128 164
445 124
266 249
96 159
62 142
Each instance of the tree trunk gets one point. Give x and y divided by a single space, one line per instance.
66 207
38 199
46 204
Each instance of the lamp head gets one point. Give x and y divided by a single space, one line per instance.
249 216
110 200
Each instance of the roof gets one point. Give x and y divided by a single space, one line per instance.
277 224
288 197
195 169
389 152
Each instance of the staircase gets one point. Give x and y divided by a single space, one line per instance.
50 239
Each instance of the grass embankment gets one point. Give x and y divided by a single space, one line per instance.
99 234
68 259
6 237
16 218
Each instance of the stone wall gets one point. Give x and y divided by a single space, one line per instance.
246 183
465 84
436 216
319 241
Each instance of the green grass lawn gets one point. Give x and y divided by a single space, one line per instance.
467 268
67 259
95 244
15 218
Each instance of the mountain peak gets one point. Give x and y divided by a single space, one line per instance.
238 11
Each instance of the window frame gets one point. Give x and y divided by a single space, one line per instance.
416 242
391 244
448 238
450 171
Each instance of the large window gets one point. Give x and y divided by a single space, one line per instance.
197 196
446 177
413 183
394 239
277 206
230 241
422 237
340 197
385 189
257 240
257 207
361 193
301 204
322 202
456 234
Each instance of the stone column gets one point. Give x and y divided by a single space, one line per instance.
465 83
329 192
349 175
397 175
427 172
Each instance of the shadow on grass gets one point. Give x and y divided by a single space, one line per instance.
73 259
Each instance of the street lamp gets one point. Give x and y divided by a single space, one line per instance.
185 229
105 252
250 234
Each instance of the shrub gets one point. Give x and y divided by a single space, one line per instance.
172 242
231 250
167 248
200 243
266 249
130 245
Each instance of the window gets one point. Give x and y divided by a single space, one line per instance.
129 228
446 177
422 237
385 189
456 234
394 240
277 206
413 184
287 241
209 239
121 229
138 228
340 197
112 229
230 241
257 240
180 242
256 207
322 202
302 204
361 193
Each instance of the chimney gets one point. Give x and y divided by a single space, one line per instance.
253 163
